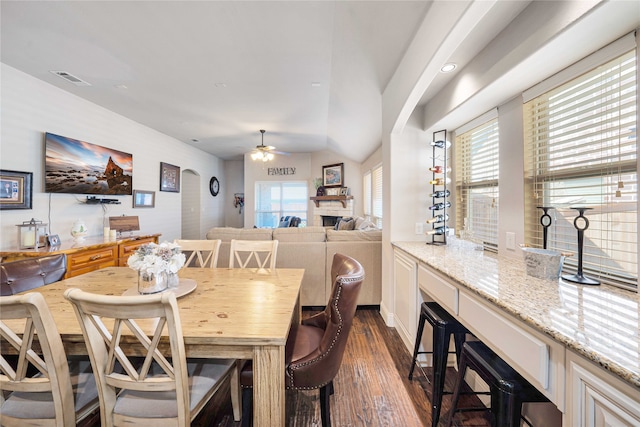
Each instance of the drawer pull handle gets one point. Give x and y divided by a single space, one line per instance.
95 257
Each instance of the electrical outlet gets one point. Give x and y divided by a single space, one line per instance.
511 240
419 228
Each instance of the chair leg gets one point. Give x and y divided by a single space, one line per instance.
247 407
325 411
441 341
457 388
416 347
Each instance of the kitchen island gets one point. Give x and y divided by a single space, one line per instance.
579 345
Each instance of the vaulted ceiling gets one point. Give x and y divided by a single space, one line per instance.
212 73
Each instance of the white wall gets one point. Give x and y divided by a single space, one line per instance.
31 107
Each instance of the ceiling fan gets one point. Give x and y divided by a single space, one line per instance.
265 152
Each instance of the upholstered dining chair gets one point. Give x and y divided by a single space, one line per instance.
264 253
202 253
161 388
41 388
314 349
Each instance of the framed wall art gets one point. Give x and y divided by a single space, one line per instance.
16 189
144 199
333 175
169 177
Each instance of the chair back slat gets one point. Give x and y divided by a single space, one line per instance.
21 318
262 252
200 253
111 351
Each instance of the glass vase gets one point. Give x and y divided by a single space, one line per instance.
173 281
150 283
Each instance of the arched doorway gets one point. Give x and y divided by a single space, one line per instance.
190 205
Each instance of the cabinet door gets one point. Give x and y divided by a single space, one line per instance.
406 291
127 248
597 399
90 260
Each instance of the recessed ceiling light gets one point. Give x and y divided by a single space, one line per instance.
315 84
220 85
121 87
447 68
194 140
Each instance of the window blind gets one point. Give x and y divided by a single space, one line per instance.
376 195
366 190
476 165
580 150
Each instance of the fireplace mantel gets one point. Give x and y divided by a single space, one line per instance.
341 199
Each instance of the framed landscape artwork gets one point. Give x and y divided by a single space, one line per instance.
333 175
169 177
16 189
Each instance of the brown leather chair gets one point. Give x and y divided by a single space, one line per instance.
26 274
314 349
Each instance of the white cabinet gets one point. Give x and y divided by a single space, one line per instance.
406 291
596 398
439 289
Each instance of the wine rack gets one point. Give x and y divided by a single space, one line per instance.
439 182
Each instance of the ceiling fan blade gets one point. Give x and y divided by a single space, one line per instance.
284 153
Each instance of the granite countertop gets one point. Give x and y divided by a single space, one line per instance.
598 322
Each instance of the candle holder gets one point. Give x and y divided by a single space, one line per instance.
581 223
545 221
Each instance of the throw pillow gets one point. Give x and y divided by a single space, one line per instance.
346 224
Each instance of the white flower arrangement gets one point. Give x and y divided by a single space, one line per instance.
154 259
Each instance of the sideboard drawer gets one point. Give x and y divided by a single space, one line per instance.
90 260
436 287
127 248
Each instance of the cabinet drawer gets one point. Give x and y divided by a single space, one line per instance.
529 354
126 249
90 260
441 291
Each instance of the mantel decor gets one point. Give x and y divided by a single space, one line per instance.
333 175
16 189
169 177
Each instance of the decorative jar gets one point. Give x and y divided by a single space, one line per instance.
79 230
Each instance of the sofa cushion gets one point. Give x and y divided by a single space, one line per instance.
304 234
353 235
346 224
226 234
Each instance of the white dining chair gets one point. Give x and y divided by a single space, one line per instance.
160 388
40 386
264 253
203 253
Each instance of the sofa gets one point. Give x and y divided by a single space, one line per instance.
30 273
312 248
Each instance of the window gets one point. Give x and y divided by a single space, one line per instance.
580 151
476 163
277 199
372 191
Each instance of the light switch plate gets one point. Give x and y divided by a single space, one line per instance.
419 228
511 240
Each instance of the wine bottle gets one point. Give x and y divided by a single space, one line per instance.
439 169
441 193
439 206
441 144
440 181
438 218
439 230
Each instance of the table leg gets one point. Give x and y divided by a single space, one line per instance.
268 386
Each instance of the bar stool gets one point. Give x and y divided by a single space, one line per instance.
444 325
509 390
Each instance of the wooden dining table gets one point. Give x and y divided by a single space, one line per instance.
232 313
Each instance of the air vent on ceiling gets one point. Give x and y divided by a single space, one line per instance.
71 78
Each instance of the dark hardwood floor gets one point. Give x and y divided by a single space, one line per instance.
371 389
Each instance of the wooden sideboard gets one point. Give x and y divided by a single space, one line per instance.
89 255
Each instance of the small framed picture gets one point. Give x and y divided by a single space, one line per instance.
344 191
16 189
53 240
333 175
144 199
169 177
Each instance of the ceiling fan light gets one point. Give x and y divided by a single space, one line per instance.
256 156
269 156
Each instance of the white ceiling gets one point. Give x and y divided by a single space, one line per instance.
309 72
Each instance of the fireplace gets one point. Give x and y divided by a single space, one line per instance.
329 220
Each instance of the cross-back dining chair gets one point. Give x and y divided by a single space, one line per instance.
264 253
204 253
161 388
40 387
314 349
